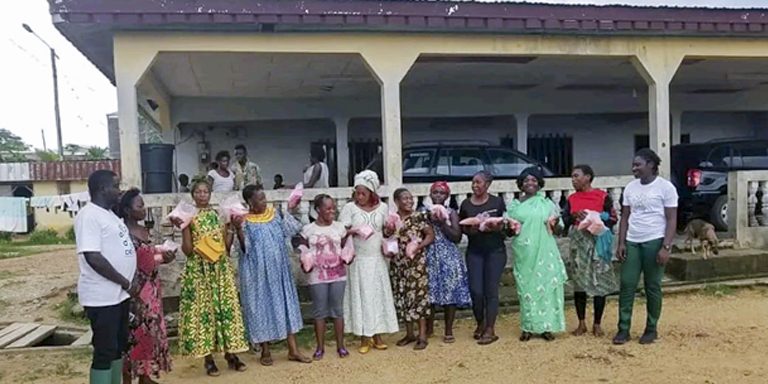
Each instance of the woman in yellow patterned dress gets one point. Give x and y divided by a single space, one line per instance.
211 319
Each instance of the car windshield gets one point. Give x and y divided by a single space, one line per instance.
418 162
460 162
507 163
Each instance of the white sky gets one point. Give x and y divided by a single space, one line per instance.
86 96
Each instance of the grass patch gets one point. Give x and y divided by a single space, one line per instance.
717 290
64 311
20 249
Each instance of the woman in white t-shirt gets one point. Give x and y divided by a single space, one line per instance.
222 179
648 223
328 272
316 174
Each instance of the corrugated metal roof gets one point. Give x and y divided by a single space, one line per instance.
10 172
70 170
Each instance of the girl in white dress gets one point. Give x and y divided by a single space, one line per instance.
369 309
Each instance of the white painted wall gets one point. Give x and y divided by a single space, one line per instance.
604 141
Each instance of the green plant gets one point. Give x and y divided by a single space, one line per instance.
717 290
64 310
70 235
5 237
44 236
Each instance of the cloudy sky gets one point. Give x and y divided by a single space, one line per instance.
26 90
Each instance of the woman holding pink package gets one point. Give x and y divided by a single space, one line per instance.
325 262
148 354
448 284
369 308
589 261
408 270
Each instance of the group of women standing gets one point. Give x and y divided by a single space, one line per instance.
368 295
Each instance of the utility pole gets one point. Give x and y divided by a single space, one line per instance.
59 140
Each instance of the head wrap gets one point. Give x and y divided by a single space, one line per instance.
534 171
368 179
442 185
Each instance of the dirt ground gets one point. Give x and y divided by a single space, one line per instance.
710 337
31 286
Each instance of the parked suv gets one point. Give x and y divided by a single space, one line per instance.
426 162
700 173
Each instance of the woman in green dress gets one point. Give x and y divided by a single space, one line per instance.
211 319
538 269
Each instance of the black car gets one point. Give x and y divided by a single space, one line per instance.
426 162
700 173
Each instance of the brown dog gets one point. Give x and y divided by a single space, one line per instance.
705 233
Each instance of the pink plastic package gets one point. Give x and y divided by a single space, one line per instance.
233 207
167 246
470 221
393 221
441 213
592 223
348 251
364 231
412 247
389 247
184 211
307 259
490 221
515 226
295 197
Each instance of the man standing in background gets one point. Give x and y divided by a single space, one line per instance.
246 172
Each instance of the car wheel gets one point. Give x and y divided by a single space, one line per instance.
719 213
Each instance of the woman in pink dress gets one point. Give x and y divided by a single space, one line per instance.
148 352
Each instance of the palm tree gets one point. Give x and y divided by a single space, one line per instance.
47 155
96 153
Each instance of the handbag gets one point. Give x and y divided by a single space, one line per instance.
210 249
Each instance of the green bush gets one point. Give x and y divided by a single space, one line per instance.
70 235
5 237
44 236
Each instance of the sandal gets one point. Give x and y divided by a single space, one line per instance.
365 346
449 339
318 354
420 345
342 352
405 341
478 333
266 360
211 369
380 347
300 359
235 364
526 336
487 339
548 336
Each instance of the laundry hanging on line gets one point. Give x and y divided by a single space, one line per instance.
13 214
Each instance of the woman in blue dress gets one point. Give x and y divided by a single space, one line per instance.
267 288
448 286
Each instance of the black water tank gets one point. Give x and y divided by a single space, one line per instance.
157 168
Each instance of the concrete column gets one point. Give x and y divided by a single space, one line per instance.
390 66
521 132
677 126
658 67
131 60
342 150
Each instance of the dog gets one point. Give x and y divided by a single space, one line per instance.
704 232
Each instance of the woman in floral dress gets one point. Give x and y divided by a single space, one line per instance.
539 271
448 285
148 354
269 298
408 271
211 319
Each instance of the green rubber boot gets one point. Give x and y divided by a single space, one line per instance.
101 376
117 371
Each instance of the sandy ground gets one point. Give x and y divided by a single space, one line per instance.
30 286
705 338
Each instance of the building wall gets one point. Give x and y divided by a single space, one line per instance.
58 220
605 141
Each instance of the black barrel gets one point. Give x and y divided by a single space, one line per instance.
157 168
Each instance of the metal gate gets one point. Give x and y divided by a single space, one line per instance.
553 150
361 154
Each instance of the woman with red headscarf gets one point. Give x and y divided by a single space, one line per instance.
448 285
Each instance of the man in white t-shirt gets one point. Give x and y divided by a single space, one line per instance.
107 261
648 223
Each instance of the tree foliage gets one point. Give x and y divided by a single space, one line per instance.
12 147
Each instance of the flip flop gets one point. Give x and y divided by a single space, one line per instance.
486 340
300 359
420 345
405 341
318 354
449 339
266 361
